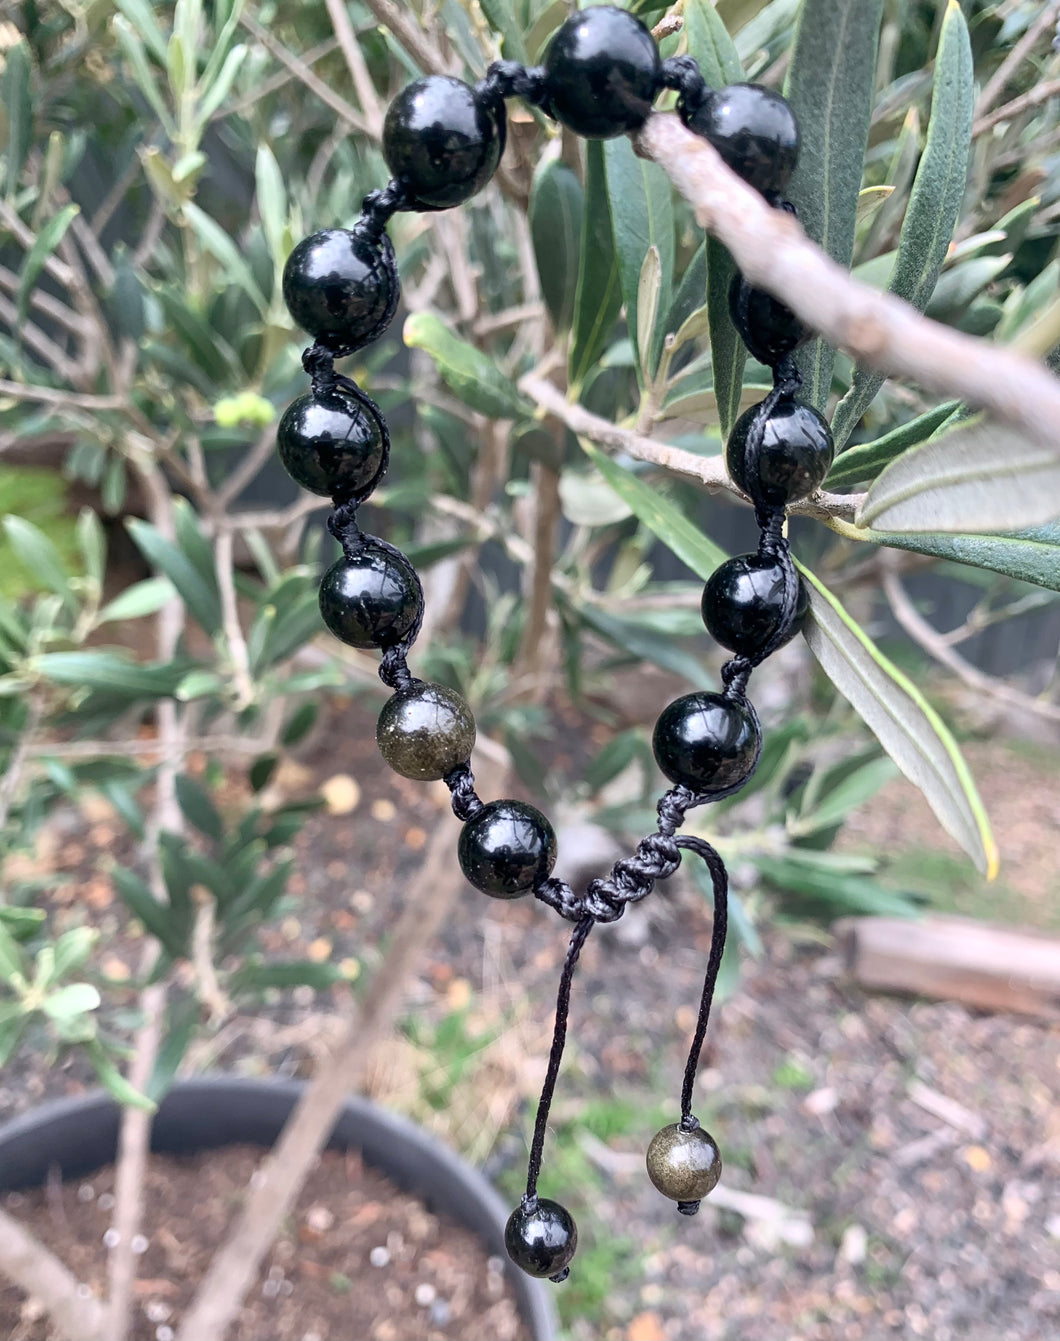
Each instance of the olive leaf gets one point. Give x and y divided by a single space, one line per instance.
903 721
599 294
1029 556
469 373
662 517
642 216
979 477
935 203
830 87
557 204
709 42
865 461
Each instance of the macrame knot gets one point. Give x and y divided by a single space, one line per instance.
683 74
343 526
509 79
465 801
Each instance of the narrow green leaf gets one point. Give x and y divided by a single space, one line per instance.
833 891
11 963
865 461
72 949
93 545
830 87
11 1031
133 48
903 721
44 244
557 204
642 216
21 923
648 297
690 299
935 203
113 1081
18 104
637 642
140 15
198 807
218 243
182 1022
221 86
111 672
1029 556
142 598
598 297
253 977
199 595
158 920
709 42
977 478
469 373
272 201
853 791
76 998
39 557
501 18
662 517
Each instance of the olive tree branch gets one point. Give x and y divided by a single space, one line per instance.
708 470
33 1268
875 328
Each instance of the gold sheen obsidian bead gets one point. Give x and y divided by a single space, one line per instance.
425 731
684 1165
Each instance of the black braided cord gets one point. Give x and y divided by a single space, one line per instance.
658 855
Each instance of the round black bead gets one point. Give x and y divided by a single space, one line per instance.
601 73
443 140
706 743
373 599
329 444
425 731
768 328
795 455
684 1165
755 132
340 286
507 849
743 602
541 1238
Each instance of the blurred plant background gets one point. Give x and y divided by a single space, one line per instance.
162 674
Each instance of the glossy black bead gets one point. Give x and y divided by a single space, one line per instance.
425 731
601 73
795 455
340 286
743 602
755 132
443 140
684 1165
706 743
768 328
507 849
329 444
541 1238
371 600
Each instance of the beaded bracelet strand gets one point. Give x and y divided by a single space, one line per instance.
442 141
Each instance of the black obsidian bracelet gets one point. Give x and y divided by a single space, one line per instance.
442 141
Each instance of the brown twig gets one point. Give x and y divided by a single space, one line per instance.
309 78
30 1265
875 328
708 470
1015 58
367 96
419 42
936 646
1032 98
534 652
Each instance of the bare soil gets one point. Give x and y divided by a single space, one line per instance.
358 1258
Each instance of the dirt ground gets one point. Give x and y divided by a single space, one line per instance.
904 1154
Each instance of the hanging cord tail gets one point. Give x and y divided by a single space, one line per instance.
719 878
555 1057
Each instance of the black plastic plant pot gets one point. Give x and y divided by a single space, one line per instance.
77 1136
